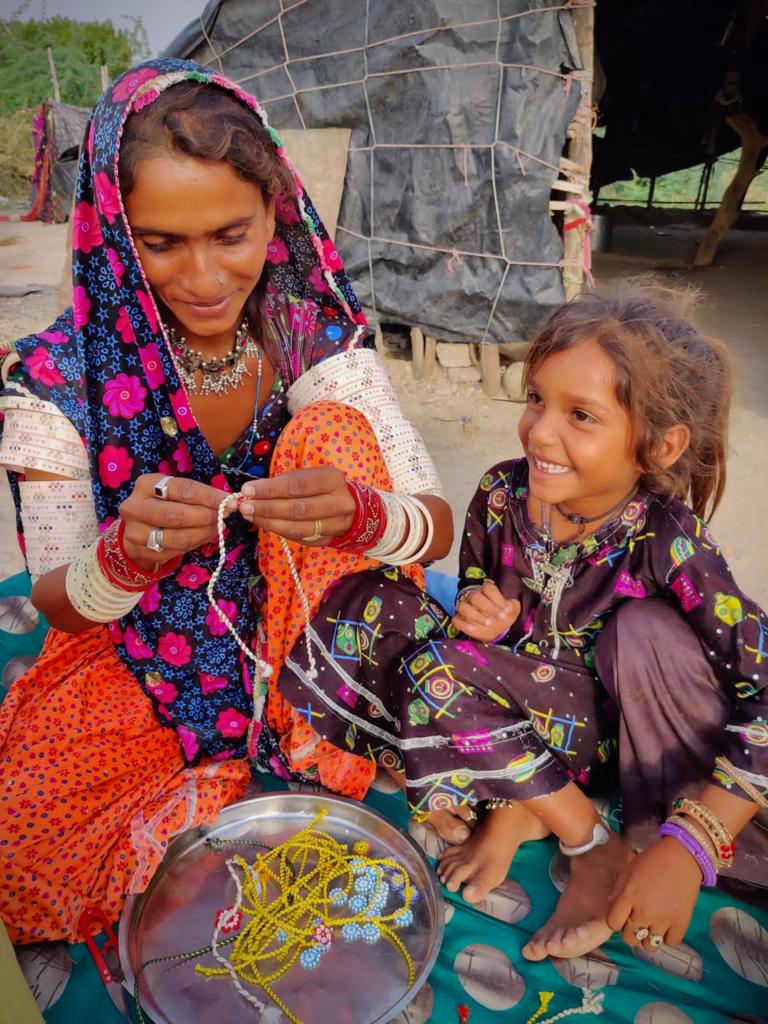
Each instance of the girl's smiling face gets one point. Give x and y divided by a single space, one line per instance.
576 436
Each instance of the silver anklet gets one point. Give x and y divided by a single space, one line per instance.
600 836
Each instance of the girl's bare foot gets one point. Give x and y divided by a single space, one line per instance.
453 824
578 924
482 862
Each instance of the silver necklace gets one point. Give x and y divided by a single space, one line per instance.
218 375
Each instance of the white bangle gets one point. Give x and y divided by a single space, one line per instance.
398 546
92 595
394 529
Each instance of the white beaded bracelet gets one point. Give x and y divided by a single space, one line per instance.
92 595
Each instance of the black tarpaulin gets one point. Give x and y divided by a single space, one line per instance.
458 111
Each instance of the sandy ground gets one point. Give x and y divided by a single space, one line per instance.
465 431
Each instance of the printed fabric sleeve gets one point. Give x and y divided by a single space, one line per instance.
732 629
357 377
475 553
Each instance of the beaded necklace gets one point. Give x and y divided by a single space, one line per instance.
292 903
254 433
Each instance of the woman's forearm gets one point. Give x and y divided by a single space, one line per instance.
442 518
49 596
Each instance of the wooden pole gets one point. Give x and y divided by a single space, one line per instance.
54 78
752 145
579 137
104 71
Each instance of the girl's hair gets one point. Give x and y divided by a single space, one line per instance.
667 374
207 122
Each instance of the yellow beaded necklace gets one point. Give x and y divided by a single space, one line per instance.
296 899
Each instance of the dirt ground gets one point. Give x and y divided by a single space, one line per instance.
465 431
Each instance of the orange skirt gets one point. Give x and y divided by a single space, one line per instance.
92 787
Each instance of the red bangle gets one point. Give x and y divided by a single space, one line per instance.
368 523
117 566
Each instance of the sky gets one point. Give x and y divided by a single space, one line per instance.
163 19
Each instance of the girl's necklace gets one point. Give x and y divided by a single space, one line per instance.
218 375
581 521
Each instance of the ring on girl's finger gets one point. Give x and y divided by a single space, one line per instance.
155 539
161 488
639 933
655 941
318 531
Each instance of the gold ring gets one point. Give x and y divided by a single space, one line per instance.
317 534
656 941
640 933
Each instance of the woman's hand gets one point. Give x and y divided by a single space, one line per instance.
658 891
187 518
293 503
485 614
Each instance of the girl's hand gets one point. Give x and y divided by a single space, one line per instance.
485 614
292 503
658 891
187 518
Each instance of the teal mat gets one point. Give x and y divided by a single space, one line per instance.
719 974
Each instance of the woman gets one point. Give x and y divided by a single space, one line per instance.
182 371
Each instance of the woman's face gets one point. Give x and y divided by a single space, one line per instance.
201 233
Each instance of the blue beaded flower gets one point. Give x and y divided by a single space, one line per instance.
404 918
337 897
350 932
282 936
310 958
357 904
371 933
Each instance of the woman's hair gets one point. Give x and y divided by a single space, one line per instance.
207 122
667 374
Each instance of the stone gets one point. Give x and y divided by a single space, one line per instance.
513 382
453 354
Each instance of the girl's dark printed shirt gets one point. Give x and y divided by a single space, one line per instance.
654 548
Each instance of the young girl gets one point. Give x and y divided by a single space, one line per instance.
520 701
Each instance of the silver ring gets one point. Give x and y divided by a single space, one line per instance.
161 488
155 540
318 531
640 933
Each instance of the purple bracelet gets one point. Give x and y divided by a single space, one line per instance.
695 849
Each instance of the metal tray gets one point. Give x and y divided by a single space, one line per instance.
355 984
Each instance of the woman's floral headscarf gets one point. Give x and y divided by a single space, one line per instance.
106 364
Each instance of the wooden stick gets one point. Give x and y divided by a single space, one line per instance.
104 71
752 145
54 78
580 147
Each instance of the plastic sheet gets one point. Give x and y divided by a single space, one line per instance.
458 111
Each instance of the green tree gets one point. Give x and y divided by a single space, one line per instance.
79 49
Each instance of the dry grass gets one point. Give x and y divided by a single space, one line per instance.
16 154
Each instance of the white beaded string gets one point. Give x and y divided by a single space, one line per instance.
312 670
262 667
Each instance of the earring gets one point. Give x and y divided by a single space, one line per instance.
219 278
